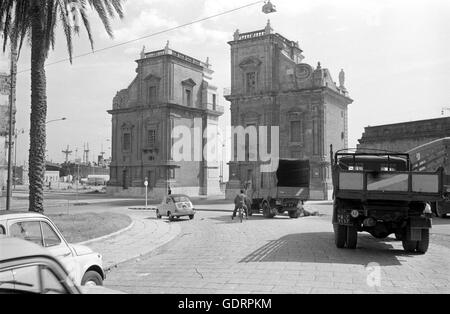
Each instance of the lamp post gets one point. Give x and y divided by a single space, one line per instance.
146 193
56 120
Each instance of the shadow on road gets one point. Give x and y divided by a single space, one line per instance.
320 248
255 218
441 221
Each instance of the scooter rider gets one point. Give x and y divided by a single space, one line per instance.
241 200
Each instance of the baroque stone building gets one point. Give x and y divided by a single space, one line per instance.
403 137
170 90
270 86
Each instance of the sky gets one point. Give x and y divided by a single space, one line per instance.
394 53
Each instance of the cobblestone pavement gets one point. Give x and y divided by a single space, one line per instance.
213 254
146 235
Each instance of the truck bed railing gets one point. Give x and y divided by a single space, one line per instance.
424 186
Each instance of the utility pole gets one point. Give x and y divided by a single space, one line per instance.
15 155
12 100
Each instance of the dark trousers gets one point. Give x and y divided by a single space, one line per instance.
236 207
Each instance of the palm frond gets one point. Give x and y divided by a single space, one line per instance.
65 23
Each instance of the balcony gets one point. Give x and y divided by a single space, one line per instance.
179 55
251 35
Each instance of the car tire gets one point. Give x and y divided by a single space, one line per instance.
422 245
92 278
171 217
191 217
294 214
340 236
158 215
352 237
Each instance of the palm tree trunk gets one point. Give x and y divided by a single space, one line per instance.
38 110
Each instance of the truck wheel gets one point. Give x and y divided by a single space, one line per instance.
422 245
267 212
340 236
294 214
352 238
409 246
439 213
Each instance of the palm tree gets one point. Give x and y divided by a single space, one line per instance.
38 20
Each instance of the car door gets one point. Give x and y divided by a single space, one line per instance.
57 246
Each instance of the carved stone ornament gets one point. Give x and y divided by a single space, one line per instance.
303 71
250 63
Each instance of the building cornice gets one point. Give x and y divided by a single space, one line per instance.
200 111
318 90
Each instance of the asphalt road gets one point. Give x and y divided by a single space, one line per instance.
213 254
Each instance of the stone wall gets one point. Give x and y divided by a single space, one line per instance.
402 137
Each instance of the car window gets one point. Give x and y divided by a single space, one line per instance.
50 283
50 236
179 199
27 230
6 280
27 279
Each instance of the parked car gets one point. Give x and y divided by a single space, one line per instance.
84 266
26 268
175 206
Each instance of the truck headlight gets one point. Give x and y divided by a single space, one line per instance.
355 213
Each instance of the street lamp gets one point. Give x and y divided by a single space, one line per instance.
56 120
269 8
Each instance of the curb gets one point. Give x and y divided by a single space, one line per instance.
142 208
108 235
132 257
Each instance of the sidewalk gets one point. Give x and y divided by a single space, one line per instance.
146 235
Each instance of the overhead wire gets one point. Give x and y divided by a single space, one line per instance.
148 36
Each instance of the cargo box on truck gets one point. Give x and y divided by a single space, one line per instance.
285 190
